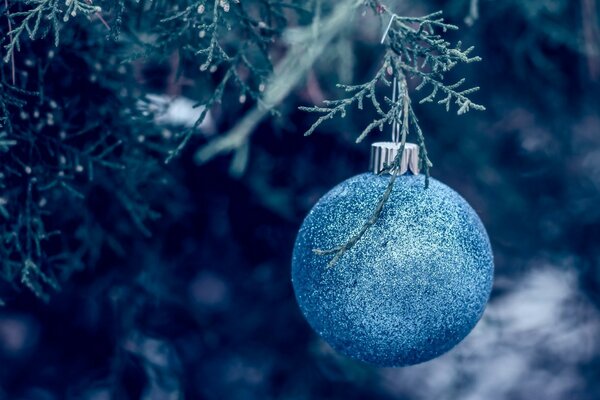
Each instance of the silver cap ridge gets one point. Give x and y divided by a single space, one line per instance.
383 154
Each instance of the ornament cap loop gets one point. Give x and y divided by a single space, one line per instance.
384 153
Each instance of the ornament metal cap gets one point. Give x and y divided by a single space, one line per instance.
384 153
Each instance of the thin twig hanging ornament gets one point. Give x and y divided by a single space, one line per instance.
414 284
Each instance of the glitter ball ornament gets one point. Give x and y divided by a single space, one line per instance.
412 287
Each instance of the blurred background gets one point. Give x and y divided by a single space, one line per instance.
204 308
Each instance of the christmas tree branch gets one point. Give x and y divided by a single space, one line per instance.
308 44
248 66
43 16
339 107
61 151
56 157
414 51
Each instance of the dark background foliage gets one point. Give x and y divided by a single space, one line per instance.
204 308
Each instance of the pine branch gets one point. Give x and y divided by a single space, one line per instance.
303 53
59 150
205 29
42 16
414 50
360 92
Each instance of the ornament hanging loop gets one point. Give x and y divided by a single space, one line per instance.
387 29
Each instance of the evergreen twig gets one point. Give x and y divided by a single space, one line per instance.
309 44
205 29
54 161
51 157
40 16
414 51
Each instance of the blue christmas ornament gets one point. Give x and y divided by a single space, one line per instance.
412 287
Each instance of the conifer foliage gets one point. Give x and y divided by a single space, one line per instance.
79 128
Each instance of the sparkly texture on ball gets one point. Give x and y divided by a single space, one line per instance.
411 288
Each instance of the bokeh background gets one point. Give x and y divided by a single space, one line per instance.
204 309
